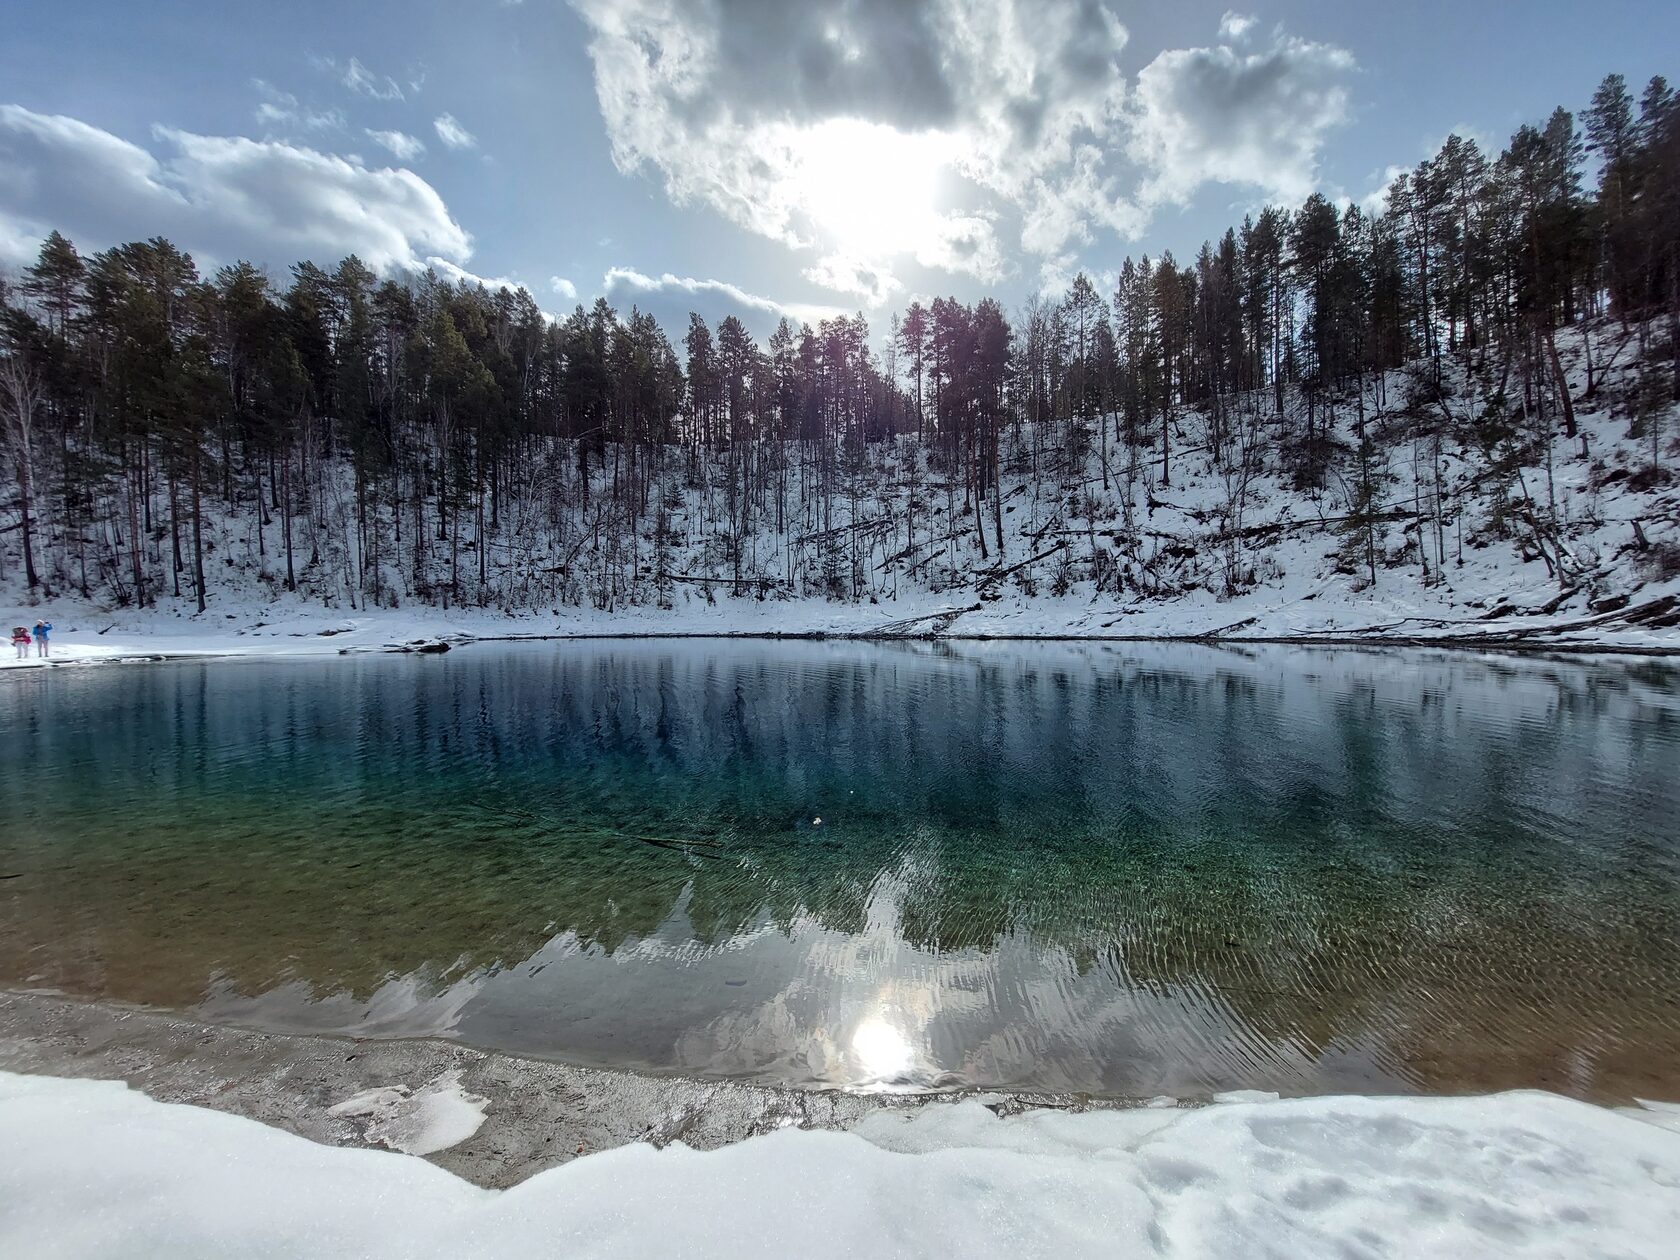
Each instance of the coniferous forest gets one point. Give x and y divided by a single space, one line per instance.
1410 383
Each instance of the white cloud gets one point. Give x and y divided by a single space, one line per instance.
1217 115
737 107
460 275
563 287
873 130
1055 275
1375 201
670 299
381 87
1235 26
19 247
221 197
965 243
402 146
283 110
848 275
452 133
1056 216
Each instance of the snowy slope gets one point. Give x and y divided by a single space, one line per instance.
1578 544
92 1169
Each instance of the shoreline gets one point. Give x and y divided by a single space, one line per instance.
1529 622
1456 643
537 1114
156 650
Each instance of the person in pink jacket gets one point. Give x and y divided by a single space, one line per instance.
20 640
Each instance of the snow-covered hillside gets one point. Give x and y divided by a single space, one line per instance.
1462 516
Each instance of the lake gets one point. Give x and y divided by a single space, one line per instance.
1125 869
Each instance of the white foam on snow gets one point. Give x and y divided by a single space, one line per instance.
94 1169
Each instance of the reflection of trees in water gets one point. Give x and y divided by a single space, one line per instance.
1326 844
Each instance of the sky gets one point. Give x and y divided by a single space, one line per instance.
756 157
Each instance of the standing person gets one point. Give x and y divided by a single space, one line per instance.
20 640
43 647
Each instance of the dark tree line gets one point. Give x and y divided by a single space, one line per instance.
455 441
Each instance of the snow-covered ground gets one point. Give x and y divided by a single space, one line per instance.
1562 541
91 1168
85 633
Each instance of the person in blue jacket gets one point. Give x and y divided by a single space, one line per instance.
43 646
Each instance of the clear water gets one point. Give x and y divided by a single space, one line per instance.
1112 868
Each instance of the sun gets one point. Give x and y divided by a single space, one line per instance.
871 189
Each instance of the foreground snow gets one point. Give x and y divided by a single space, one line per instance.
93 1169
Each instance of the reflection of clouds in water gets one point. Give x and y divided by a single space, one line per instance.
415 1005
866 1009
870 1009
1074 866
889 992
857 1008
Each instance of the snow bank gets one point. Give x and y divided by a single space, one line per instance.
86 634
94 1169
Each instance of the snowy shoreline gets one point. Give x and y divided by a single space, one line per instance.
673 1166
700 1169
88 634
1511 1174
535 1113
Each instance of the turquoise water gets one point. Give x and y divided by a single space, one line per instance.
1113 868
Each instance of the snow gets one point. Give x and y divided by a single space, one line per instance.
1164 540
94 1169
1665 1115
88 635
438 1115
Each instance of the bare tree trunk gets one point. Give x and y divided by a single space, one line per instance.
176 561
1674 316
478 526
134 556
198 523
257 501
26 483
1569 429
1166 442
455 553
997 489
286 515
23 392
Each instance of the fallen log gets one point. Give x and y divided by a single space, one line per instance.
905 628
767 582
998 574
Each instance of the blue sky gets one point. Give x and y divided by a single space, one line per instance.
753 155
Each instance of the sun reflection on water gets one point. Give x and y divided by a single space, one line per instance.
884 1054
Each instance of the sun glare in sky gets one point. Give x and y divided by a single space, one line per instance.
870 188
